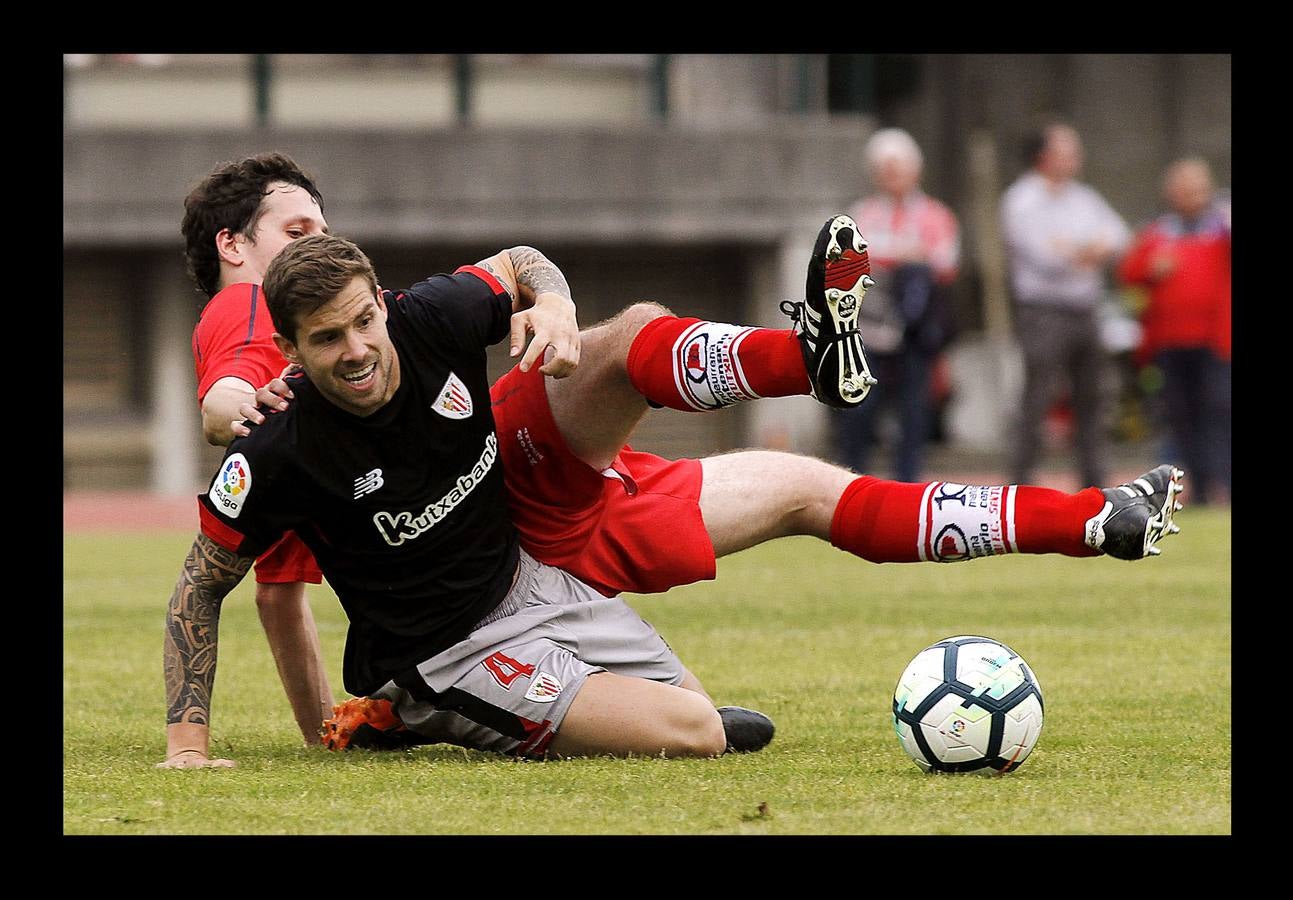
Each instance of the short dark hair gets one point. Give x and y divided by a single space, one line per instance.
1034 144
308 273
1036 140
231 197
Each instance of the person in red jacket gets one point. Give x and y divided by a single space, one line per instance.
1182 259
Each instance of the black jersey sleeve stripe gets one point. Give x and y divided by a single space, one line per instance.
251 320
486 276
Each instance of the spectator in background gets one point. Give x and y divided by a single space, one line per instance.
1060 236
1183 260
915 249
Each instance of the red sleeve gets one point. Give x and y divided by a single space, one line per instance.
1134 268
944 237
233 338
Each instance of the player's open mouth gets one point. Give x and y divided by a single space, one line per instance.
363 378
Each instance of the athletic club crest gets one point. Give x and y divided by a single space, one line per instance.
543 689
454 401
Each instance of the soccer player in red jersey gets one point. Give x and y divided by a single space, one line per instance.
620 520
552 662
235 222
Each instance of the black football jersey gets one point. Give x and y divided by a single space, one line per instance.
404 509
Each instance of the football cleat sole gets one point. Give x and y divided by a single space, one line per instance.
826 321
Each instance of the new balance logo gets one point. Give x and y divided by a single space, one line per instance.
367 483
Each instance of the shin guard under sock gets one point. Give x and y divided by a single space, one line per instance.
890 521
691 365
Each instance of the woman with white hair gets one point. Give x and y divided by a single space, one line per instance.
915 250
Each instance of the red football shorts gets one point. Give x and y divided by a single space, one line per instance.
286 562
636 527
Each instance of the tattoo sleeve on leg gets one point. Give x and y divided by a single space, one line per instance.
536 272
192 623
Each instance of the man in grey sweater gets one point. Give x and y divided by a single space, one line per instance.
1061 236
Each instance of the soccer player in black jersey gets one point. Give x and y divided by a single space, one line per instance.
387 466
514 680
619 520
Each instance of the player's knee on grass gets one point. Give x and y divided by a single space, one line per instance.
700 728
618 715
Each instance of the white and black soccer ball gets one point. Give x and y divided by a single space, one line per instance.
968 704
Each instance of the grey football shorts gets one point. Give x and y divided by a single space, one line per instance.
508 686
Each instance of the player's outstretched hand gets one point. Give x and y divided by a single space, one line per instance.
552 322
194 759
273 396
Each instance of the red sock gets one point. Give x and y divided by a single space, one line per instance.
1054 522
878 520
691 364
889 521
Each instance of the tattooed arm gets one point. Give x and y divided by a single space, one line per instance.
541 305
189 656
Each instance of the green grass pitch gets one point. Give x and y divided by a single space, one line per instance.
1133 660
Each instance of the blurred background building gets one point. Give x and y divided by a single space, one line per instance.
698 181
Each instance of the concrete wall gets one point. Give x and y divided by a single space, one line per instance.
712 211
596 186
714 224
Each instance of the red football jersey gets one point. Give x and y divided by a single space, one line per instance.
233 338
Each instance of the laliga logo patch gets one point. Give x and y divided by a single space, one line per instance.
454 401
232 485
951 545
544 689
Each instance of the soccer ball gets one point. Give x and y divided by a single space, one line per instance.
968 704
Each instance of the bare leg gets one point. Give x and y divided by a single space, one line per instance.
597 407
795 495
692 683
294 641
616 715
736 517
